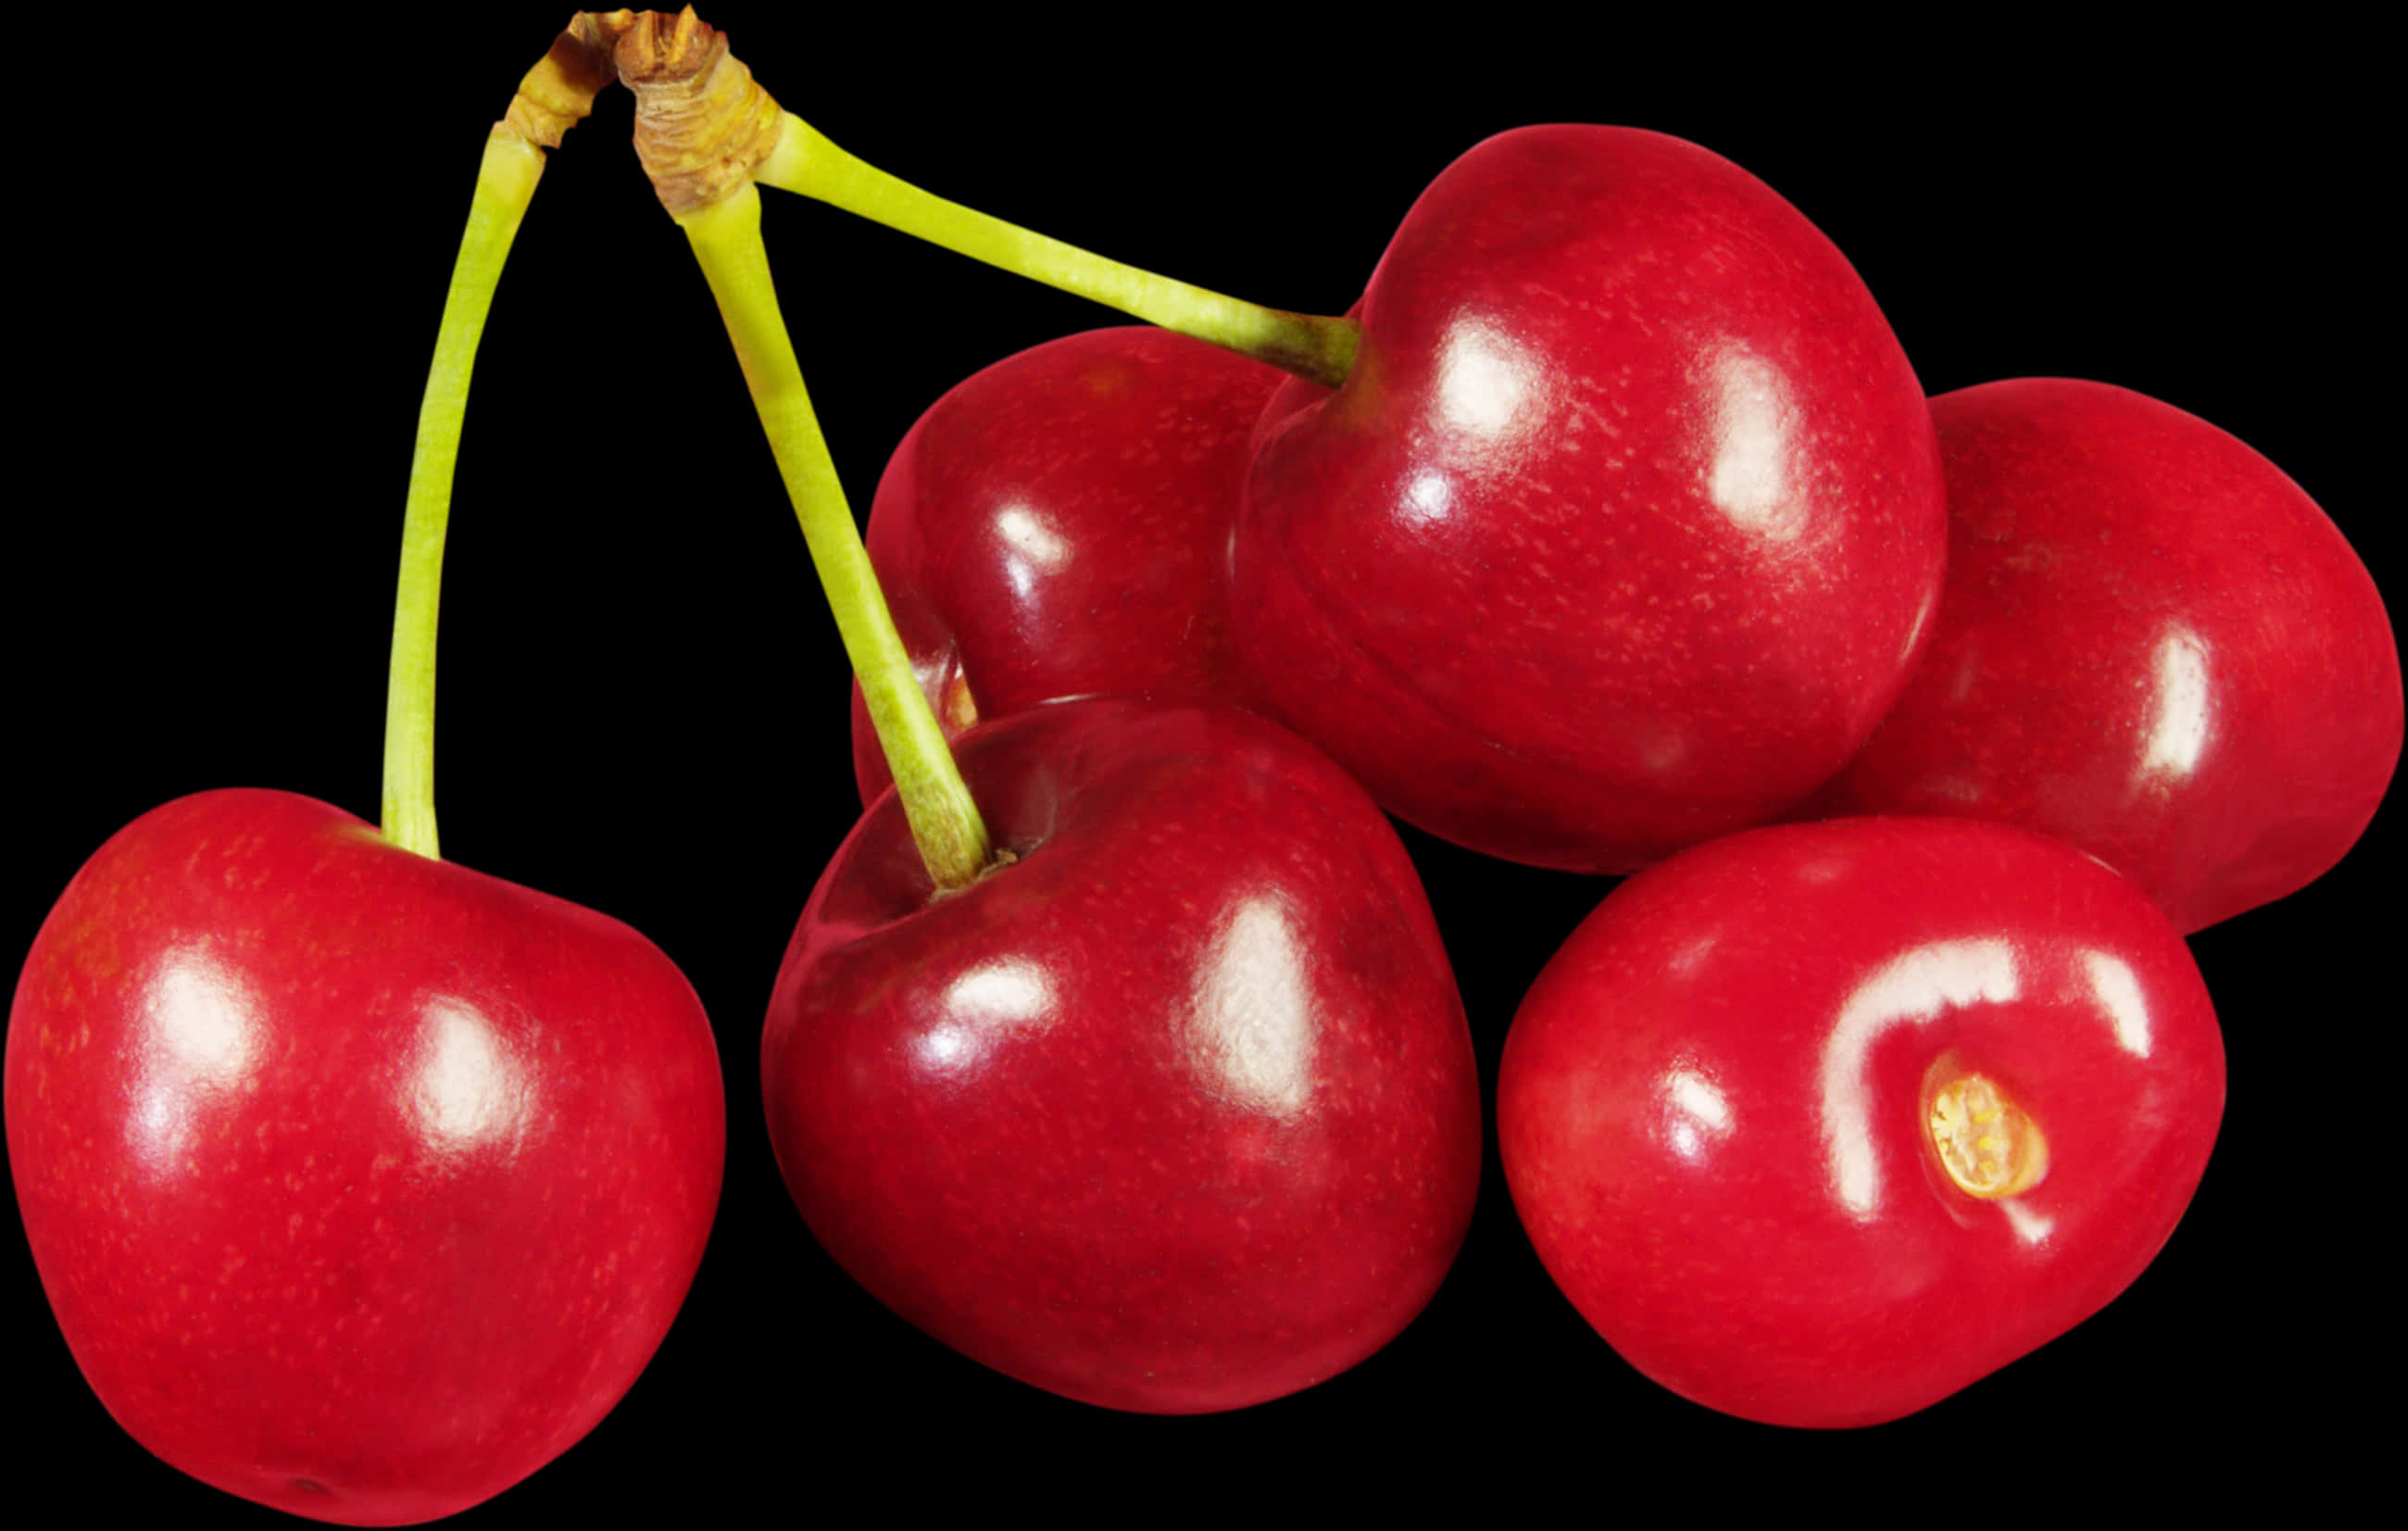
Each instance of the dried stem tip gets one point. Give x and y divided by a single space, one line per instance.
702 125
558 93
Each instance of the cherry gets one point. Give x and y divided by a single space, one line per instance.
362 1184
2152 645
1817 1124
1054 526
1176 1111
1624 528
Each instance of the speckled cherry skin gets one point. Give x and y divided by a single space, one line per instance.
2152 644
1713 1116
1056 526
362 1184
1177 1112
1623 530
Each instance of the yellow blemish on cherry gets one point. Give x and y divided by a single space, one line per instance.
960 711
1987 1144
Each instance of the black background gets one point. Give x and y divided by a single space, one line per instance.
238 253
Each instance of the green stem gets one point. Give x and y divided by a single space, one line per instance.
506 181
945 822
1309 345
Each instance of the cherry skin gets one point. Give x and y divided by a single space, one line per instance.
1622 532
1817 1124
2152 644
362 1184
1054 526
1175 1112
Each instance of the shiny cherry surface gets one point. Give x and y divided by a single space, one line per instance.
362 1184
2153 644
1717 1107
1054 526
1177 1112
1623 531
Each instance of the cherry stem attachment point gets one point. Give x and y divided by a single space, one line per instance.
1312 346
944 819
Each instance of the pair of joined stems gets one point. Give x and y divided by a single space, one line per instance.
727 240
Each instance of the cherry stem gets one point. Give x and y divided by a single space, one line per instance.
553 98
506 182
1311 345
945 822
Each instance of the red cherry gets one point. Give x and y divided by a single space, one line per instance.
1056 527
362 1184
1175 1112
2152 645
1623 530
1817 1124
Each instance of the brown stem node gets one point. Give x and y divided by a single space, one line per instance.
702 125
558 93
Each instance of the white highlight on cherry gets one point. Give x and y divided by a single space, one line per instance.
1911 987
2116 988
997 997
1692 957
2178 727
200 1019
2031 1226
201 1034
1484 380
1036 547
1696 1110
1429 498
1753 421
1252 1029
468 1090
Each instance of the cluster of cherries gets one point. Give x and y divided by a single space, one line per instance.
1628 544
1629 529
